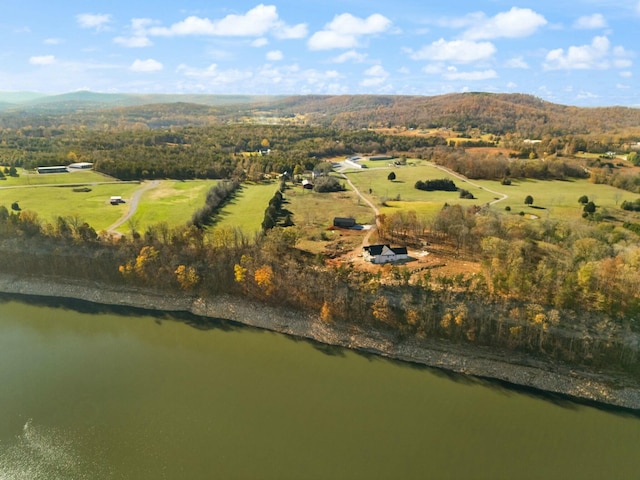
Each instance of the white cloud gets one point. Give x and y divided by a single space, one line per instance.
471 76
257 22
375 76
42 60
516 23
138 36
455 51
626 74
53 41
597 55
260 42
345 31
590 22
147 66
517 62
213 75
91 20
285 32
133 42
433 69
275 55
622 86
350 56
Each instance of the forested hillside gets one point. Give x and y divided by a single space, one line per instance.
498 114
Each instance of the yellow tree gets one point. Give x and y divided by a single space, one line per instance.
264 279
187 277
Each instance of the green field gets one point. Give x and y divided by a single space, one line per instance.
172 201
50 202
556 199
79 177
246 210
401 192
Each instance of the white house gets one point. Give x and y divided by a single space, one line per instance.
384 254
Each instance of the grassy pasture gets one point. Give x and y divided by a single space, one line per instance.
172 201
314 212
317 210
50 202
552 198
82 176
403 188
559 199
246 210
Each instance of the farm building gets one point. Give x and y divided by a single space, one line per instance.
344 222
80 166
55 169
307 184
381 157
116 200
384 254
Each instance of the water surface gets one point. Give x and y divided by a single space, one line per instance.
89 393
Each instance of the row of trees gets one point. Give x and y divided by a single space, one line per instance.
216 197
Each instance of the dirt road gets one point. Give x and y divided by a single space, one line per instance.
133 206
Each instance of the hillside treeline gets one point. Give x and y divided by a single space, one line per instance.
232 151
496 167
499 114
563 291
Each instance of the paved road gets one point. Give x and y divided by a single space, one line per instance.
133 206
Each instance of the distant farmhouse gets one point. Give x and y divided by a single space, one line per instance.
344 222
384 254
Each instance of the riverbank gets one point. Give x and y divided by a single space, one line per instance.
514 368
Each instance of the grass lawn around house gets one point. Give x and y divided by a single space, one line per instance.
313 210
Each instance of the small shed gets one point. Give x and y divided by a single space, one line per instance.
344 222
116 200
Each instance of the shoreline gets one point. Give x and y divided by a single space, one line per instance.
508 367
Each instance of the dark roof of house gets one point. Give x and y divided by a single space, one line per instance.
400 250
374 249
344 221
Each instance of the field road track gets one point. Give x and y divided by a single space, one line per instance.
133 206
365 241
503 196
376 212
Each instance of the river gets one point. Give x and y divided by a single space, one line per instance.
89 392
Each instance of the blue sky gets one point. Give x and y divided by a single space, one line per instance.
582 52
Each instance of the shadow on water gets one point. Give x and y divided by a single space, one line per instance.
501 386
91 308
207 323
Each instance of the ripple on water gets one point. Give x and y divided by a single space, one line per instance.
41 453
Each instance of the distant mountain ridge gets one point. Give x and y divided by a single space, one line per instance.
494 113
